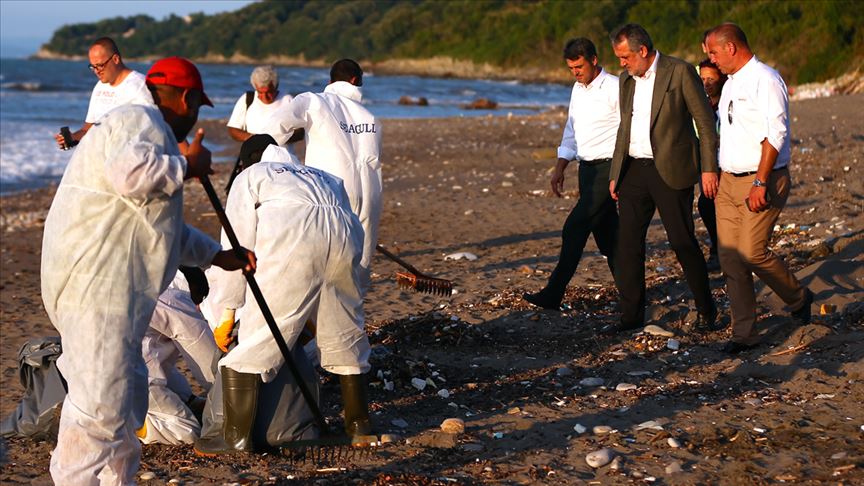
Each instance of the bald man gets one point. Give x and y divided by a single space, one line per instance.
118 85
754 157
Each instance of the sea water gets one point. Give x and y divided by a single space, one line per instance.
37 97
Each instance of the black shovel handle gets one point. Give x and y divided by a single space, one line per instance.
262 304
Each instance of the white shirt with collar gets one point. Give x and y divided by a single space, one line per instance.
640 124
254 119
592 121
754 106
131 91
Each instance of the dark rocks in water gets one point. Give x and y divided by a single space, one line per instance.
481 104
407 100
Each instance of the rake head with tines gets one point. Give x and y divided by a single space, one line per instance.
415 280
326 451
424 284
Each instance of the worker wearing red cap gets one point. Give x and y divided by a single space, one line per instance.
113 238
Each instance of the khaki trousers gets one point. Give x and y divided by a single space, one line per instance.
744 251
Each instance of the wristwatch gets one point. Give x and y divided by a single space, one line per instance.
758 183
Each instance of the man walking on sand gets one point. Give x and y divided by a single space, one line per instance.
113 238
657 161
754 156
117 85
589 137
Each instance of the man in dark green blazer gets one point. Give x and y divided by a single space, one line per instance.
657 161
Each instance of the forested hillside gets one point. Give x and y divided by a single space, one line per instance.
808 40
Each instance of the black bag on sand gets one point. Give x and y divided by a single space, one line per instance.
44 390
282 414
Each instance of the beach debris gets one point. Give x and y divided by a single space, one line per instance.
625 387
579 428
472 447
826 309
147 476
563 371
656 330
601 429
755 402
638 373
650 424
514 411
599 458
527 270
388 385
398 422
418 383
460 255
673 468
498 435
453 426
506 184
673 344
444 393
591 381
617 463
673 443
839 456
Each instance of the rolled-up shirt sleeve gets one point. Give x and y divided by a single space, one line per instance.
774 100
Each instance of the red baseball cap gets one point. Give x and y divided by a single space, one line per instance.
178 72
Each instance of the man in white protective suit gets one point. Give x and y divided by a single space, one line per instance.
177 328
113 238
343 139
308 244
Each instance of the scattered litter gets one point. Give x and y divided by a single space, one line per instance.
651 424
418 383
625 387
592 381
579 428
673 344
460 255
399 423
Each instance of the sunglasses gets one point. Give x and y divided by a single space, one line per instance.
729 112
100 66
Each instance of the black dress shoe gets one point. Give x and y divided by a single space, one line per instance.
733 347
707 322
542 300
802 315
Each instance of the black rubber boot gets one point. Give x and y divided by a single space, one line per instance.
240 401
356 403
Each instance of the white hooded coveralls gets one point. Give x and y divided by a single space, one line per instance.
177 328
343 139
308 245
113 238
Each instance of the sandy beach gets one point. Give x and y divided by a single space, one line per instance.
788 411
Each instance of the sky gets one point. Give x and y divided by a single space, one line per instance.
27 24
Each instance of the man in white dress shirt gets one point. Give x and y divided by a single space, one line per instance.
754 158
117 85
589 137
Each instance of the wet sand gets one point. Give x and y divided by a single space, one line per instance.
787 411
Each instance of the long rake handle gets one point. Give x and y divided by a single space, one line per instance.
262 304
403 263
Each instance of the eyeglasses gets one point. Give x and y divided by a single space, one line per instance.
100 66
729 112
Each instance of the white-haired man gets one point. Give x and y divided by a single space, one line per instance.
254 108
